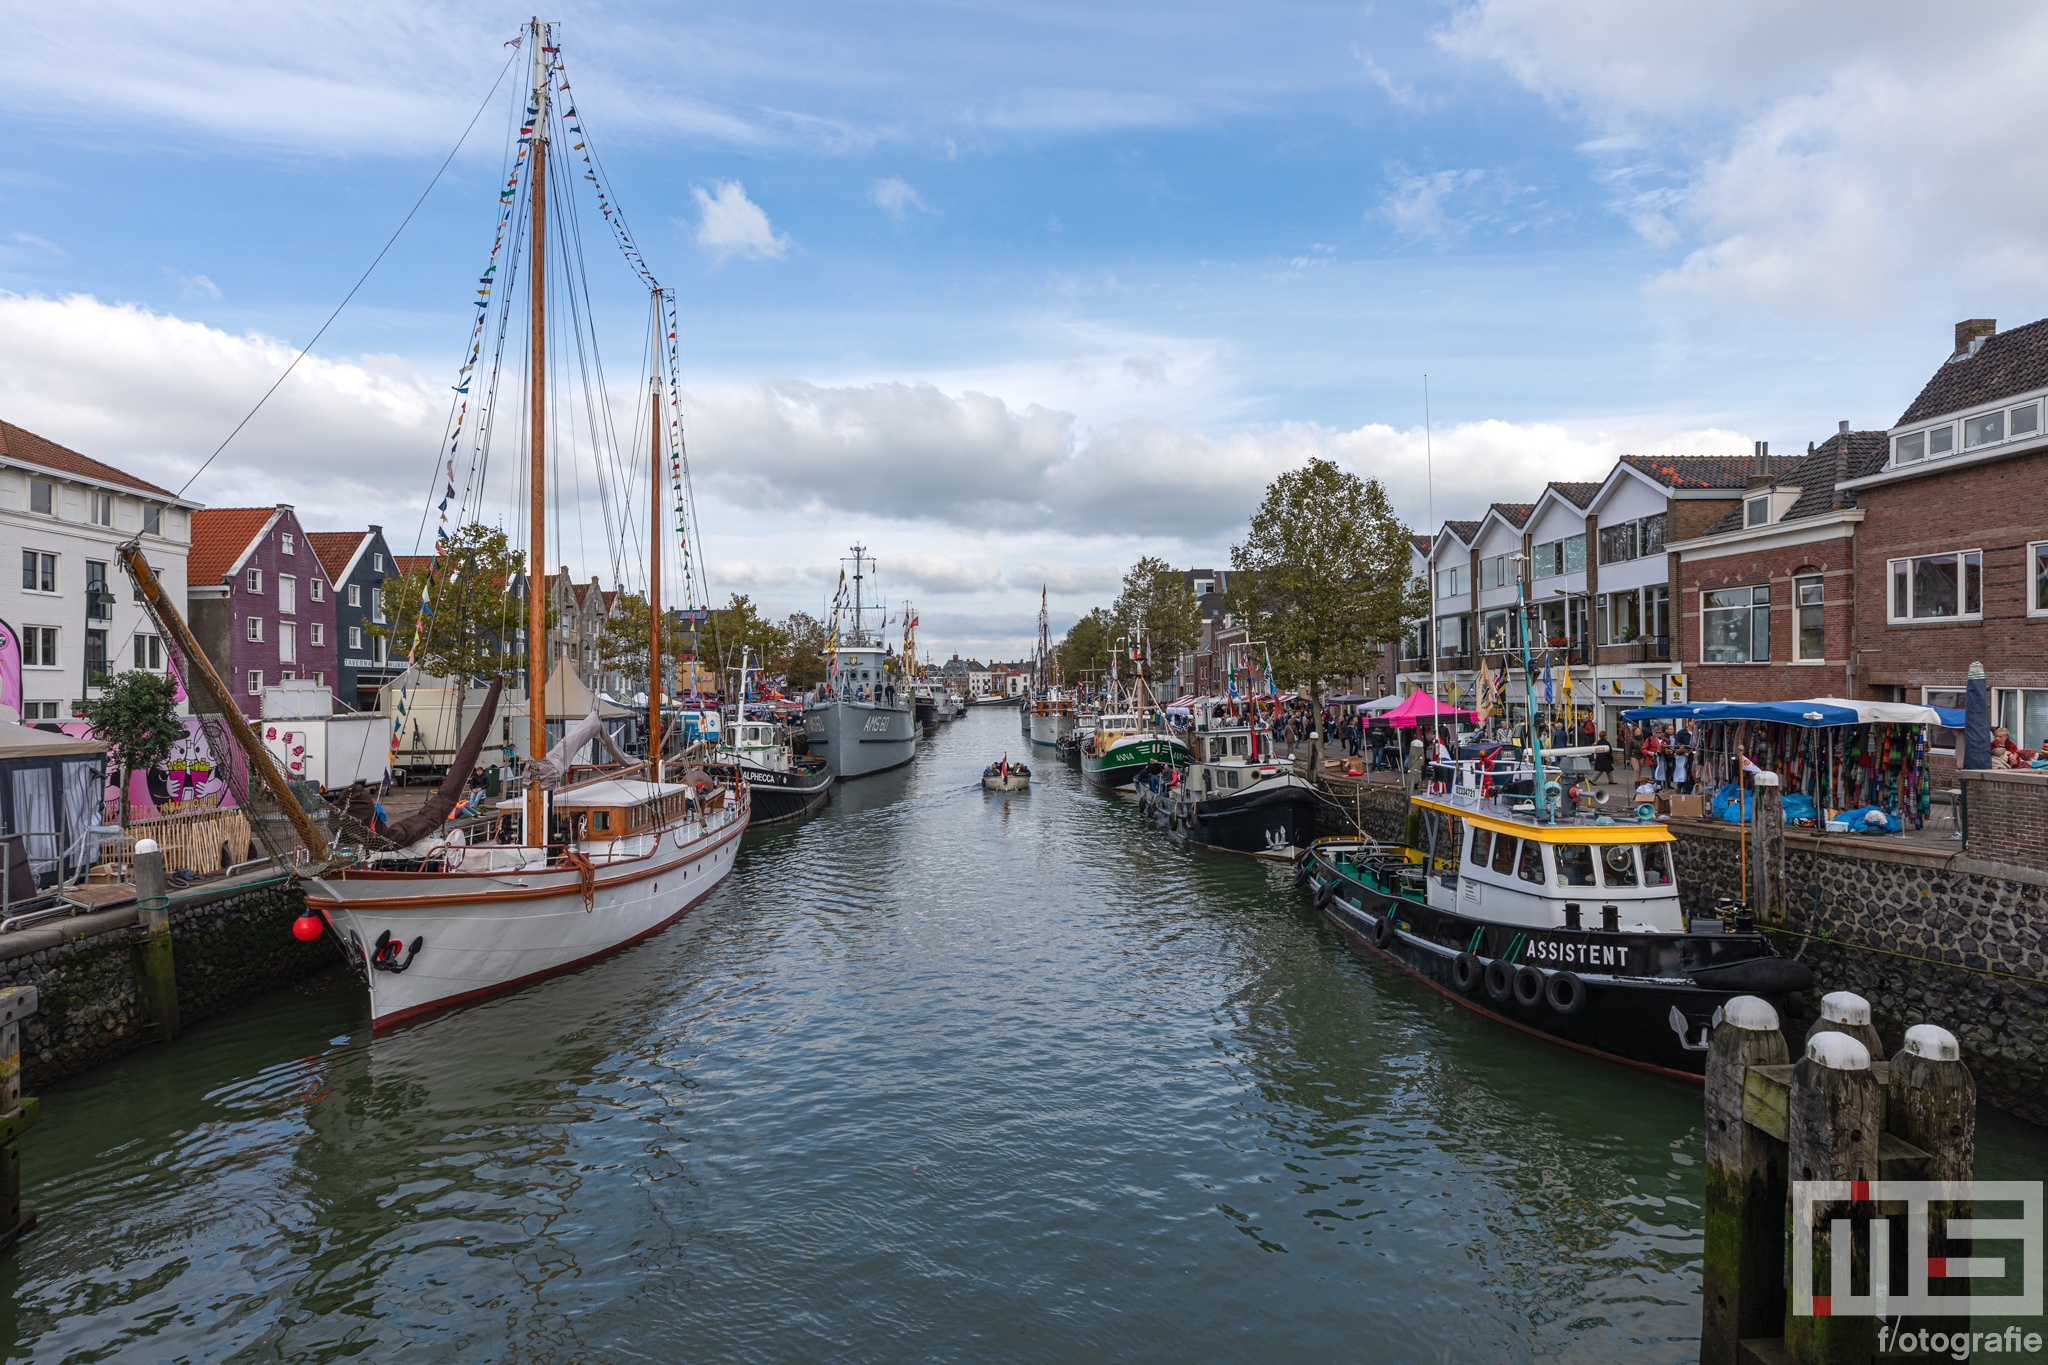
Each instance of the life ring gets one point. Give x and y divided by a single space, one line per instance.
1325 894
1466 969
1528 986
1383 930
1500 981
1564 992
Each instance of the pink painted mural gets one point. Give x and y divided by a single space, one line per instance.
189 780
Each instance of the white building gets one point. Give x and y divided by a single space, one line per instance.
77 617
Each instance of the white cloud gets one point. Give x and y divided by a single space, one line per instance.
194 286
730 224
1829 156
895 197
1416 208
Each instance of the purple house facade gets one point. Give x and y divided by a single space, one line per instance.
260 601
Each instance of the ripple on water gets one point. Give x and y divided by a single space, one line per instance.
937 1075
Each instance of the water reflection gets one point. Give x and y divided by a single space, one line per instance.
936 1075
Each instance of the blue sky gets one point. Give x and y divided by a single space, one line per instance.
1015 293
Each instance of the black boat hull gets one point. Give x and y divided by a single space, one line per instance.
780 796
1276 822
1657 1022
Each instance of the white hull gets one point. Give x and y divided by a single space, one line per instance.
1049 730
1013 783
489 925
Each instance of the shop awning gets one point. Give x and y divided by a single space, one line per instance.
1816 712
1420 706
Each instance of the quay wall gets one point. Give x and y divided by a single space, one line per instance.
230 942
1926 935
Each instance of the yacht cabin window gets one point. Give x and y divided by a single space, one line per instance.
1503 854
1656 864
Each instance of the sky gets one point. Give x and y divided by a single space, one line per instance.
1015 293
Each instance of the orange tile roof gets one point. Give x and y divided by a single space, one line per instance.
219 536
407 563
335 549
29 448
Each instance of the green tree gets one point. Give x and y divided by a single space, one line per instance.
1322 579
803 656
1158 604
136 717
470 634
1085 648
622 644
739 624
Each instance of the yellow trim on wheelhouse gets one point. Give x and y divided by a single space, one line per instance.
1651 833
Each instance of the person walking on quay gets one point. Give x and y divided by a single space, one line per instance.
1646 758
1603 762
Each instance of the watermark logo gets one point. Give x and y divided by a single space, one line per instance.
1922 1205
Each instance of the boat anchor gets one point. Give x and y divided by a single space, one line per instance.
384 957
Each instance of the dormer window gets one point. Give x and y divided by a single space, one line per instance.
1757 511
1987 430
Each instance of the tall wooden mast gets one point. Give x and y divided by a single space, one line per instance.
654 562
537 527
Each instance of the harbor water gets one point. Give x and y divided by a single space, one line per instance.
938 1075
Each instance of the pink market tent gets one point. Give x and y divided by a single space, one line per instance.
1420 706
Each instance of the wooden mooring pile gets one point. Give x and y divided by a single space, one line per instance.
1838 1114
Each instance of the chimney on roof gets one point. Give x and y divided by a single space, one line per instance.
1763 457
1972 332
1842 427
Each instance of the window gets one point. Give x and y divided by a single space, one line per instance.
99 508
1496 572
1500 630
377 605
316 588
1621 617
1451 583
1412 642
377 563
1810 635
2026 421
287 675
287 642
152 519
1757 511
1554 557
1735 625
99 604
355 637
1618 865
284 544
1618 543
255 630
318 635
1450 635
1504 854
355 594
149 653
1651 537
383 648
39 647
255 581
39 710
1657 612
38 572
95 658
255 682
1938 587
1656 864
1941 441
1940 738
1987 430
1531 869
319 680
1482 842
40 497
2037 600
1574 865
287 594
2023 711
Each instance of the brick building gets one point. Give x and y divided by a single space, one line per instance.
357 563
260 602
1952 555
1767 592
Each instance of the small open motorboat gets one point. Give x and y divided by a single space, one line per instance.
1005 776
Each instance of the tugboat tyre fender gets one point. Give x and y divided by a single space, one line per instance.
1383 930
1499 979
1302 871
1325 894
1528 986
1466 970
1564 992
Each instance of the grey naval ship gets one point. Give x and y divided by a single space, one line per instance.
863 717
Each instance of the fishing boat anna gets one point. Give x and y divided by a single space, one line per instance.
1554 918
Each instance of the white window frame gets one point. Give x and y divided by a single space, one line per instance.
284 545
316 588
2009 704
1891 569
317 635
1934 732
2037 573
287 641
355 594
253 631
376 562
355 637
49 647
46 560
151 648
255 682
1452 573
48 490
1758 611
99 507
1800 584
152 519
287 594
253 580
